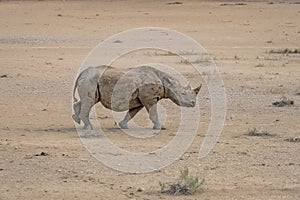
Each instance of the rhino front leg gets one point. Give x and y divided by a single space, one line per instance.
129 115
152 110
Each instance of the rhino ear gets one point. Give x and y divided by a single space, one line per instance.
196 90
166 82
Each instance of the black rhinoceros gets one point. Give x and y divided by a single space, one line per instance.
130 89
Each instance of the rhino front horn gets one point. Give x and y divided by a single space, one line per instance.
196 90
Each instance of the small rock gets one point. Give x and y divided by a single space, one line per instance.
174 3
117 41
41 154
4 76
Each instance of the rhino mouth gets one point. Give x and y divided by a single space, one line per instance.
192 105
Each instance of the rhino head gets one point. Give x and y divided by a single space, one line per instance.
180 95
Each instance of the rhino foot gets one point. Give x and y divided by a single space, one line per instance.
88 127
159 127
123 125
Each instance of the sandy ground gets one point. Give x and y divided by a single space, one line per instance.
43 44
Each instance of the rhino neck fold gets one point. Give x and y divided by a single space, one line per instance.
98 93
165 96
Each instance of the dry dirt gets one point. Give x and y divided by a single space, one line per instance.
43 44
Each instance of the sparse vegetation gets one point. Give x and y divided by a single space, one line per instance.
256 132
190 53
233 4
283 102
186 62
295 139
185 185
285 51
160 53
259 65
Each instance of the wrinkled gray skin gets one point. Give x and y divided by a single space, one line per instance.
131 90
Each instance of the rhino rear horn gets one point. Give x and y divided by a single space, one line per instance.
196 90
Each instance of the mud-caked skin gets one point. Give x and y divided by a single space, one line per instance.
130 89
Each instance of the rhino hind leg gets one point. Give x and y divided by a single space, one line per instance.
129 115
85 112
76 108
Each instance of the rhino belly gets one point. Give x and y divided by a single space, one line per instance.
120 100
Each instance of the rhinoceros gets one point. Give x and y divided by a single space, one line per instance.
131 89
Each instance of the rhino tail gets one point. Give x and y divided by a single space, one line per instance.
74 89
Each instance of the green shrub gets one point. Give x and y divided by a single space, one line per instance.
185 185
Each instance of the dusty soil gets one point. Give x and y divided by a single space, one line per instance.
43 44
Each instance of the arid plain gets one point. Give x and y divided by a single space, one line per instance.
255 46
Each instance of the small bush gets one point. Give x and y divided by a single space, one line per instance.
283 102
295 139
186 184
255 132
